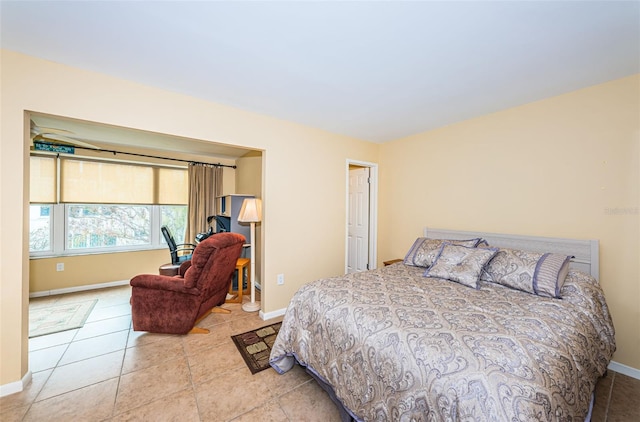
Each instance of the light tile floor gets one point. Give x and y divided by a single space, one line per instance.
104 371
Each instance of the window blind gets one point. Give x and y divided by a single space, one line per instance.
105 183
100 182
43 186
172 186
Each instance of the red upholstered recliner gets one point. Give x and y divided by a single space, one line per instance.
173 305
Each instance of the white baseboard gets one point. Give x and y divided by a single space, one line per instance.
79 288
15 387
624 369
273 314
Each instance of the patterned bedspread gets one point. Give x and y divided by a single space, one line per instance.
396 346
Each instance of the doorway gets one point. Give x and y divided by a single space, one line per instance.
361 220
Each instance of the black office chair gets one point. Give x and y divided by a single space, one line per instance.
177 251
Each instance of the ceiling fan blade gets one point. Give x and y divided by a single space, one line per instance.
41 130
55 131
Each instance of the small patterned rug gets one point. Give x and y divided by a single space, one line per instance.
255 346
56 318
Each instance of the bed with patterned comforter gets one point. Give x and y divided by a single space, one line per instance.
397 346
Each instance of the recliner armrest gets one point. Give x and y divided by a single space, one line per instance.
183 268
163 282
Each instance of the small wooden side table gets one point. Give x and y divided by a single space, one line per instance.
242 264
169 270
391 261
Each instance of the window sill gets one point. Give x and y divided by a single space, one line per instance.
94 252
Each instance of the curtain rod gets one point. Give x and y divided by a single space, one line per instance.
114 152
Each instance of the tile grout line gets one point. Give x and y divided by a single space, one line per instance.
57 365
613 381
32 402
124 356
35 399
191 382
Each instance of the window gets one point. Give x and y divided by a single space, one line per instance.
99 228
106 226
175 218
40 228
81 205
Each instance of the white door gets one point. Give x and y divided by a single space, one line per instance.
358 223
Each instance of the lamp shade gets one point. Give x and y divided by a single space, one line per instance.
251 211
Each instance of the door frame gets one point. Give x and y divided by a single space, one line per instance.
373 212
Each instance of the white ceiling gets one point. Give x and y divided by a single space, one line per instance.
372 70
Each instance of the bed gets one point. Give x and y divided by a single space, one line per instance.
423 342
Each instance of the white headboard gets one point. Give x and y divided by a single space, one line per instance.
586 252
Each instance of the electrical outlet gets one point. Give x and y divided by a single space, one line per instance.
280 279
60 266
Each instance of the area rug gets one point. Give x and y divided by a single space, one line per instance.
255 346
56 318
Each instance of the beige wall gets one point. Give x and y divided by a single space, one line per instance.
249 174
228 180
566 166
296 191
249 181
83 270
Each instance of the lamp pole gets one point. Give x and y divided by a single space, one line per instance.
252 306
251 212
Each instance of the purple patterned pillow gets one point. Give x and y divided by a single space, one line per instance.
424 250
460 263
542 274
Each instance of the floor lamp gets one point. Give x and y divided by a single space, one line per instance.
251 212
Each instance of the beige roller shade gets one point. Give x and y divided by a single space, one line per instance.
105 183
100 182
172 186
42 183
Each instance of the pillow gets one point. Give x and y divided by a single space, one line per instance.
424 250
542 274
482 244
460 263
